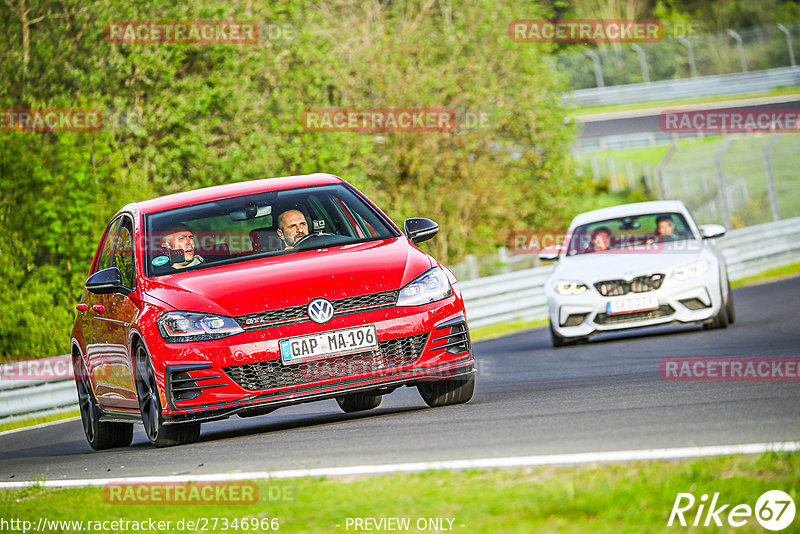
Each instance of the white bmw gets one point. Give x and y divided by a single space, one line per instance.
636 265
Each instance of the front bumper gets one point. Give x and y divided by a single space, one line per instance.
678 302
243 374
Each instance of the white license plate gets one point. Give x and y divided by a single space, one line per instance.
326 344
631 305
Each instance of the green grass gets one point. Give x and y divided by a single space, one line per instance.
31 421
793 269
631 497
591 110
491 331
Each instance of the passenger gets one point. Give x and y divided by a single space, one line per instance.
180 237
665 228
292 227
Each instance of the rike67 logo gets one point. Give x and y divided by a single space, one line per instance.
774 510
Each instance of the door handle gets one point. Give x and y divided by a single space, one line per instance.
82 307
99 308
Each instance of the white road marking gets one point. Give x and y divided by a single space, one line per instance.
481 463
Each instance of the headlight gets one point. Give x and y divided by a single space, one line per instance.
431 286
180 327
571 287
690 271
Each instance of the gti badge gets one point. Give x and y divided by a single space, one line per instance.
320 310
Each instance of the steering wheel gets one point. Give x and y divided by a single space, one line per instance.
309 236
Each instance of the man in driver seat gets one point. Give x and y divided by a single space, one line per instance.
292 227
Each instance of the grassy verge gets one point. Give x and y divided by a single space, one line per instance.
491 331
591 110
769 275
31 421
629 497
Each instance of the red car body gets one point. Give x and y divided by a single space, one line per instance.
243 374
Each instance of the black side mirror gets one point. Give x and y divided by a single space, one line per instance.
419 229
106 281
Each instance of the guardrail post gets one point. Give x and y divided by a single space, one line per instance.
727 219
773 195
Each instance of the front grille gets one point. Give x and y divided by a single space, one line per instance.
273 373
299 313
662 311
640 284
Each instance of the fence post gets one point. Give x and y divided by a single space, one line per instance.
642 62
785 30
740 45
662 188
690 51
773 195
598 67
722 193
472 267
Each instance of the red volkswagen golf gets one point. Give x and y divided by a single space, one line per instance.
242 298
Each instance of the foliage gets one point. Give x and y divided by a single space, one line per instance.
179 117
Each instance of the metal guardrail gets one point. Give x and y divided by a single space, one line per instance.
510 296
721 84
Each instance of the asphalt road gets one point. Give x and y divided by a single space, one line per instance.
530 399
648 120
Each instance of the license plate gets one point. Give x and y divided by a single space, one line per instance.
326 344
631 305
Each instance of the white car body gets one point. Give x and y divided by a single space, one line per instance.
682 295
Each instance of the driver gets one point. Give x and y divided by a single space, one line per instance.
292 227
180 237
601 239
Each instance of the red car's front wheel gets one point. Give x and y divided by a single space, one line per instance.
158 433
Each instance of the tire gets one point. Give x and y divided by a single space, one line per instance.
729 306
720 320
358 402
99 435
560 341
446 392
158 433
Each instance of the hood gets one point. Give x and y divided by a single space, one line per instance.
293 279
594 267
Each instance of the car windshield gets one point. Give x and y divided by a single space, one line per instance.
257 225
629 232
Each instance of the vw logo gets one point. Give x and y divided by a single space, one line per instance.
320 310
